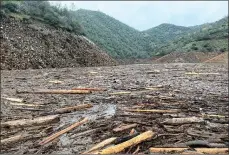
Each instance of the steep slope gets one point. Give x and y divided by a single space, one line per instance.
120 40
38 45
222 58
203 38
188 57
165 33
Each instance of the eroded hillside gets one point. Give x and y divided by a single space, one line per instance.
36 45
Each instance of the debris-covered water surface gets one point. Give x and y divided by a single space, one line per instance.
135 109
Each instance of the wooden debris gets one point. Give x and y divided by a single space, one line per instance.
14 99
55 92
90 89
156 71
56 81
217 145
93 72
209 116
25 104
137 150
119 93
152 110
125 138
134 141
177 121
198 143
191 152
194 73
101 145
167 150
84 133
56 135
124 127
13 139
73 108
30 122
212 150
29 109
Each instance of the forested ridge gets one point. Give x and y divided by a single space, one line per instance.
120 40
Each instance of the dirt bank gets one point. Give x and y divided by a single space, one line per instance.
35 45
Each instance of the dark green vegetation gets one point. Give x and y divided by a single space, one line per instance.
44 12
204 38
120 40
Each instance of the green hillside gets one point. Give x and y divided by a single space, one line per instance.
118 39
44 12
164 33
203 38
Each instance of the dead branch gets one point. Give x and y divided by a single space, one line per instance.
177 121
55 92
167 150
101 145
124 127
56 135
73 108
212 150
31 122
134 141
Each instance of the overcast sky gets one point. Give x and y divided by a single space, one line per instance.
143 15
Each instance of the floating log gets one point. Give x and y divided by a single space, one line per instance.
177 121
125 138
152 110
31 122
198 143
217 145
212 150
194 73
56 135
120 93
167 150
13 139
56 81
134 141
55 92
14 99
101 145
90 89
73 108
191 152
25 104
124 127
